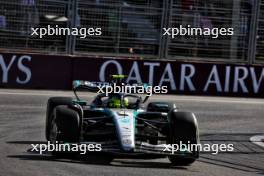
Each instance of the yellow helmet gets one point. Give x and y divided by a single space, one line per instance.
115 102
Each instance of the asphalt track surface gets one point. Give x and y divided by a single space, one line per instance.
221 120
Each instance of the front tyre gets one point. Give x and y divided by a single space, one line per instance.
65 128
183 129
52 103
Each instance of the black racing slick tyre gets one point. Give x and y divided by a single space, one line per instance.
161 106
52 103
65 128
184 130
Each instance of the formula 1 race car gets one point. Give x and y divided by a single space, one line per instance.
122 126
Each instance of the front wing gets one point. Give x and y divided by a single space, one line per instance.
142 148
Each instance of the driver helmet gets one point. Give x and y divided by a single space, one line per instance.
115 102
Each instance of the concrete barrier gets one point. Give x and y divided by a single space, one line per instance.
190 78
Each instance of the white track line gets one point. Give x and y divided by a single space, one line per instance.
258 140
214 100
35 94
159 97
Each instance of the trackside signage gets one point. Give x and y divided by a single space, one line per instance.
183 77
57 72
34 71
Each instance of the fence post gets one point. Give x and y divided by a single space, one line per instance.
253 32
74 24
162 25
72 16
68 42
167 19
235 25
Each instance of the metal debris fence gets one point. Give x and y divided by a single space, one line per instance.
134 28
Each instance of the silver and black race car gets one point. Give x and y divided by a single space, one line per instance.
121 124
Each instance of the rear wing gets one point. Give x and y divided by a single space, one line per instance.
88 85
96 86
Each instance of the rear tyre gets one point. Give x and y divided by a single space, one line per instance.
65 128
52 103
183 128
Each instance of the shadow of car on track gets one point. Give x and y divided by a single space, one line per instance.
96 161
93 159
